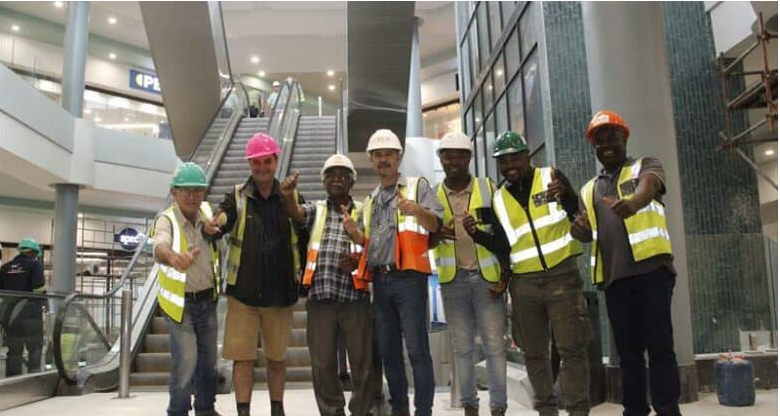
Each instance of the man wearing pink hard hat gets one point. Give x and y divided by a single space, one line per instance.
262 270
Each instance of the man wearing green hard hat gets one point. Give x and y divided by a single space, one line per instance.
535 208
23 317
188 277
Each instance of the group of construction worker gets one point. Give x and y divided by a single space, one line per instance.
366 269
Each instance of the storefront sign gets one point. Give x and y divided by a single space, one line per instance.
145 81
128 238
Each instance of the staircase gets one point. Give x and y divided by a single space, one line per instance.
234 168
314 143
203 151
152 365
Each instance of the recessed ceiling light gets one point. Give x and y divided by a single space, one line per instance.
261 74
127 119
331 73
769 152
499 72
490 87
255 59
112 56
98 119
15 28
87 111
111 20
332 87
58 4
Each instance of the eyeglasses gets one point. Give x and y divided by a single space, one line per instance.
192 191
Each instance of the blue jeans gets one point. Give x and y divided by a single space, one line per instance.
400 304
194 354
471 311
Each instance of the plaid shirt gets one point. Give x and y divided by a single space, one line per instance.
330 283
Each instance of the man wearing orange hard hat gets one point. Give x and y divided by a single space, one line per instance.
623 217
263 268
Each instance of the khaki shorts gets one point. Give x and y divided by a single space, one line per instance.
242 325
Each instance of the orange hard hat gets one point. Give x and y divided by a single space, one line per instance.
605 118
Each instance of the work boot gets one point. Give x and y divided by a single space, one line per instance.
498 412
469 410
277 408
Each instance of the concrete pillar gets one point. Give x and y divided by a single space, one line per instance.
67 195
76 34
629 73
414 126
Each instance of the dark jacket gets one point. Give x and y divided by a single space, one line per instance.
256 268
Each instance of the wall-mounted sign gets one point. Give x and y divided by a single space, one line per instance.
128 238
145 81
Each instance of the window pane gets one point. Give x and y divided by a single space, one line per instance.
473 53
484 36
479 142
528 27
516 109
533 102
507 7
501 126
499 78
490 139
469 123
539 158
494 17
487 93
464 13
478 110
465 75
512 55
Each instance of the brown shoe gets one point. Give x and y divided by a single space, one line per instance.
469 410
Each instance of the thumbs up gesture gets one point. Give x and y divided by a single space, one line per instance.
288 185
406 206
556 188
350 226
623 208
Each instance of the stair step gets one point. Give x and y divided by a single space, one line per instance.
157 378
157 343
159 326
153 362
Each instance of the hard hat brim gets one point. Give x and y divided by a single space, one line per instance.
509 151
190 185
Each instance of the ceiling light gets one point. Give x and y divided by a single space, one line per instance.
98 119
769 152
499 72
127 119
111 20
15 28
331 73
112 55
87 111
261 74
332 87
58 4
255 59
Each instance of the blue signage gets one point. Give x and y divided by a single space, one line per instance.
128 238
145 81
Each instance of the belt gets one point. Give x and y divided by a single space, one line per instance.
199 295
384 268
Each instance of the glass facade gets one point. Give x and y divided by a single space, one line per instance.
441 120
500 88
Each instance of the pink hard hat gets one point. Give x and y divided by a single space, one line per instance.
261 145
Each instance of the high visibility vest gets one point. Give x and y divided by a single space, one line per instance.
646 230
316 238
445 253
172 282
411 244
539 235
237 239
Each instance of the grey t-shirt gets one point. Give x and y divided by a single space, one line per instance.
613 238
381 246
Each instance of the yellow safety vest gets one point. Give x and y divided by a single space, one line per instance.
172 282
539 232
316 238
445 253
646 230
237 239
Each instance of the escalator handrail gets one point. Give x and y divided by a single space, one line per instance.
286 141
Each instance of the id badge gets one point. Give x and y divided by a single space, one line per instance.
542 198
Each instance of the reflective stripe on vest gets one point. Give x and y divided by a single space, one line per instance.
647 232
172 282
315 239
445 252
411 248
237 236
548 219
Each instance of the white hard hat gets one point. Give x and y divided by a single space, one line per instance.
383 139
454 140
338 160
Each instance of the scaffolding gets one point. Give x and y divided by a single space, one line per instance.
759 94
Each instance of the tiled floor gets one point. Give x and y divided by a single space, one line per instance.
301 403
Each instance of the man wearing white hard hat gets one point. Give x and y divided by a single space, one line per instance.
398 215
277 86
338 302
470 274
262 274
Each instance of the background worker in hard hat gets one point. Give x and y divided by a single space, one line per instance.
23 316
397 217
338 303
189 280
535 209
276 87
631 260
263 267
470 273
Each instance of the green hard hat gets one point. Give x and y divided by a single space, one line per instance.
189 175
29 244
509 142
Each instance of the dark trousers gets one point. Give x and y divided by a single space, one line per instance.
326 322
640 312
24 331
